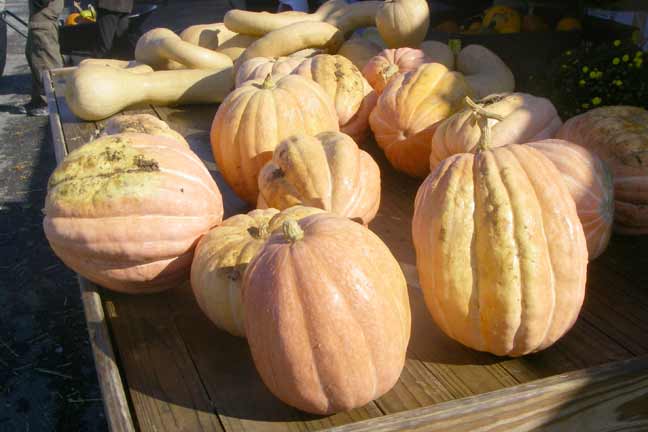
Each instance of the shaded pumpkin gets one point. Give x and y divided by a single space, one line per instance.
327 314
359 50
126 211
256 117
327 171
259 68
500 250
383 67
619 136
410 109
222 256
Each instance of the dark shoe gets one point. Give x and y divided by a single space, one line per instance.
34 110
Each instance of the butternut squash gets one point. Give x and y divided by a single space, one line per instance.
161 48
439 53
485 72
209 36
95 92
131 66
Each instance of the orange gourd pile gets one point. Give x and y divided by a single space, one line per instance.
505 219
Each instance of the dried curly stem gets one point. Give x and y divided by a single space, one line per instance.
482 117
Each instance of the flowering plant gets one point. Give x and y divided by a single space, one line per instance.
611 73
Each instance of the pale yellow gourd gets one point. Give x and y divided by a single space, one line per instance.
209 36
485 72
439 53
161 48
131 66
96 92
403 23
293 38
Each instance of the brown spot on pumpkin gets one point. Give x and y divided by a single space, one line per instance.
234 274
113 155
278 173
145 164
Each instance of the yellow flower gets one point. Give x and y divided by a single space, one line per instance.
568 53
582 82
585 105
592 75
638 54
638 62
617 43
596 101
626 57
616 60
585 69
618 83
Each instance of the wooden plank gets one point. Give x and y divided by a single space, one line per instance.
113 396
613 397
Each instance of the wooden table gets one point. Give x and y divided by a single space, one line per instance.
163 366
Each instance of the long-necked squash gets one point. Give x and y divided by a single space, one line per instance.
485 72
130 66
96 92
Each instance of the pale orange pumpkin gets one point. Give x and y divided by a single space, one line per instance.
256 117
346 86
410 109
141 123
222 256
590 184
500 251
403 23
390 62
260 67
327 171
326 334
126 211
619 136
525 118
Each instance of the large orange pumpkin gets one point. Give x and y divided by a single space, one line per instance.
524 118
222 256
126 211
260 67
346 86
590 184
328 171
257 116
327 314
390 62
410 109
619 136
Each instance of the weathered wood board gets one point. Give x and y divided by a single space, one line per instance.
179 372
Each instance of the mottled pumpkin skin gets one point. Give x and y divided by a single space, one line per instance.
381 68
619 136
327 317
590 184
410 109
256 117
260 67
327 171
126 211
222 256
500 251
526 118
141 123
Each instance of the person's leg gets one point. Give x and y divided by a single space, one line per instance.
43 51
107 27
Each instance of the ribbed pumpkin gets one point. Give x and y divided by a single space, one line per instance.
126 211
403 23
222 256
619 136
346 86
141 123
327 171
256 117
525 118
260 67
500 251
590 184
390 62
410 109
326 333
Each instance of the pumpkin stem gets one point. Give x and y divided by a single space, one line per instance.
292 231
482 117
390 71
261 231
267 83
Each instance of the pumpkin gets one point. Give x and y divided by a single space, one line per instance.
345 85
525 118
500 251
222 256
589 182
358 127
410 109
161 48
569 24
256 117
260 67
141 123
619 136
486 73
327 171
502 19
126 211
403 23
94 92
327 314
359 50
438 52
390 62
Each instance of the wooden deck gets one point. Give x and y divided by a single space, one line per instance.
164 367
